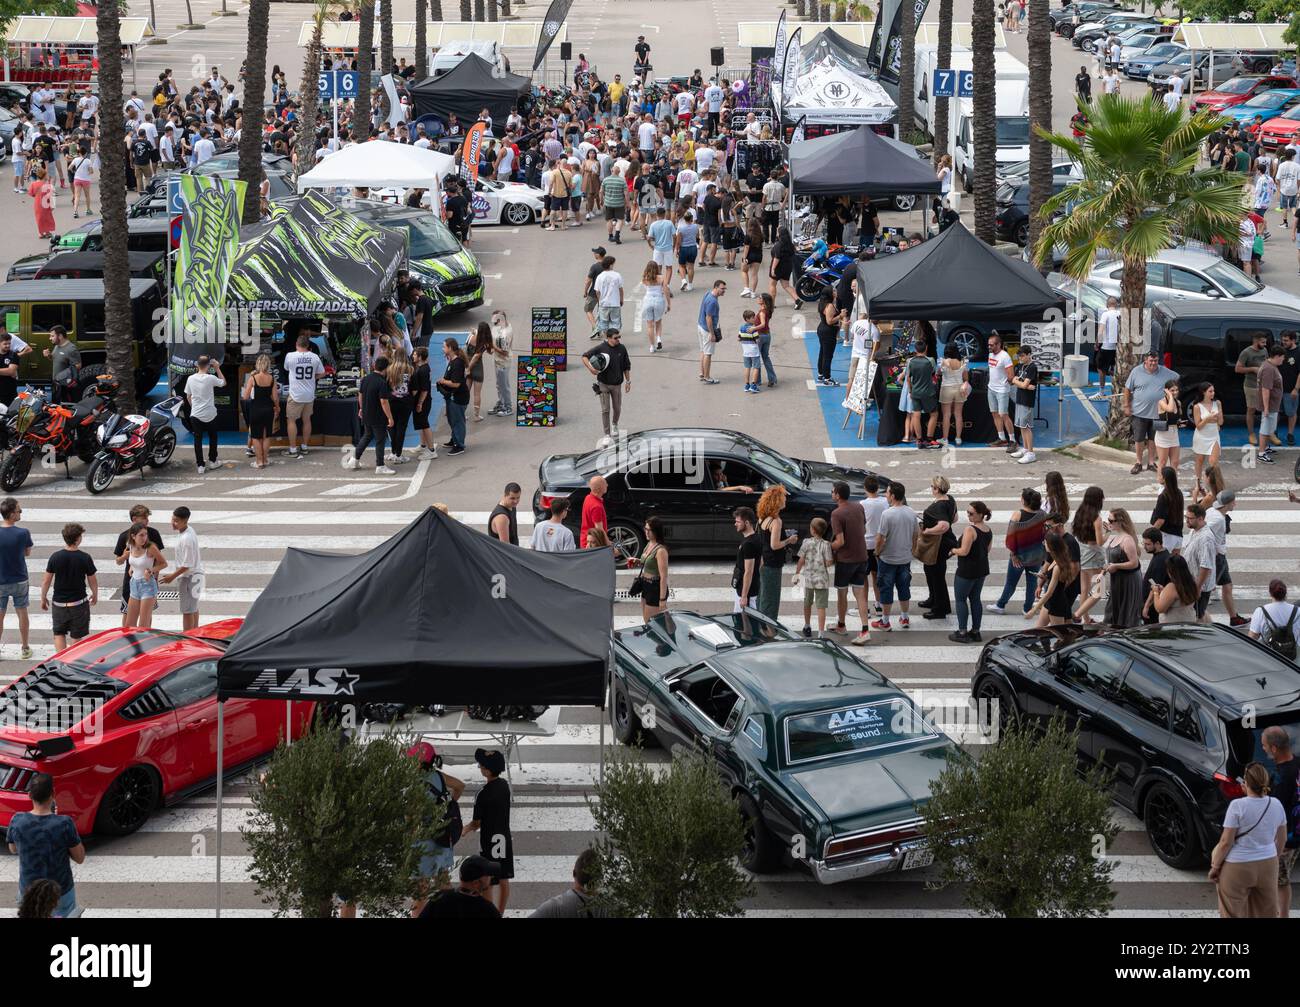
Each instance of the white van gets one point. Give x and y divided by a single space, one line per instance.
1006 67
448 56
1012 110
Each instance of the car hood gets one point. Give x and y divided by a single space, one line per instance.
1281 126
1272 295
518 192
451 266
858 793
824 475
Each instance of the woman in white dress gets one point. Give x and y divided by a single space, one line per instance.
1207 418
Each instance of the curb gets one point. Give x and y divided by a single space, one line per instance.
1095 452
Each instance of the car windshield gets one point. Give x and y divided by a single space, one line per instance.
1232 279
1013 132
775 464
429 237
1269 99
885 723
1238 85
1293 114
1163 49
1182 59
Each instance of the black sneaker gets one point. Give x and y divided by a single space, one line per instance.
957 636
1267 458
974 637
456 451
1290 440
448 444
807 632
250 452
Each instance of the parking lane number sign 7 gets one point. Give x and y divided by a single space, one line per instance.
945 84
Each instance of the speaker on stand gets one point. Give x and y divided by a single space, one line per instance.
566 54
715 55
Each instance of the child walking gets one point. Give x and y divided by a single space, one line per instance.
815 562
750 352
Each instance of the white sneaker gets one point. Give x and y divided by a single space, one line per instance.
398 460
350 462
959 442
995 608
605 442
428 454
1017 452
200 469
746 293
683 286
384 470
689 287
1028 457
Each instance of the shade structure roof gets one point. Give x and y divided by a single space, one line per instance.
467 88
857 162
511 34
439 613
955 276
379 164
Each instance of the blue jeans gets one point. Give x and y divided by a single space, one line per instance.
967 593
456 420
764 349
1013 578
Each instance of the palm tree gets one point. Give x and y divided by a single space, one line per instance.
1039 41
944 58
120 349
386 37
422 36
907 74
250 135
365 61
505 8
984 123
465 10
479 14
306 149
1141 191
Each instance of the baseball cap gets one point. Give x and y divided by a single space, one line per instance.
1225 498
423 752
475 867
494 762
599 250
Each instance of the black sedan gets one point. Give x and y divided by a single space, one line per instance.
1173 713
692 480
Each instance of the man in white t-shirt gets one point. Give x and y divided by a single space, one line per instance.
873 506
609 298
204 149
704 156
1108 343
645 137
713 101
303 367
1177 84
1279 612
1110 84
685 106
1288 183
1000 369
188 572
687 179
88 106
200 392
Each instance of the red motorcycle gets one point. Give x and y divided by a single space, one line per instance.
57 432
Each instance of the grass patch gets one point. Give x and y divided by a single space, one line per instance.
1112 442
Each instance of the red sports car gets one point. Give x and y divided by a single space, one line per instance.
1281 130
1238 90
126 721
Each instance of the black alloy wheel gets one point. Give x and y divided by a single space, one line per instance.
994 694
1171 828
127 802
760 852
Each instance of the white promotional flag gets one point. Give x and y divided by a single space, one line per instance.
782 38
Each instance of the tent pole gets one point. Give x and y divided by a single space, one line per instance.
288 722
221 746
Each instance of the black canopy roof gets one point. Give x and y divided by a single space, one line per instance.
955 276
439 613
831 43
467 89
857 162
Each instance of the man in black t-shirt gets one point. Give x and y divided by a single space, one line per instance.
458 212
1276 743
72 574
710 214
142 160
612 380
470 900
1083 84
1025 381
422 312
8 370
139 514
590 299
744 578
1290 368
376 418
1156 574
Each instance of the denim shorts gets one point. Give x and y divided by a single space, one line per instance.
893 575
998 401
18 591
1268 424
144 588
435 858
1289 403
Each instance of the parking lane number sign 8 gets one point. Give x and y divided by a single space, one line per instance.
965 83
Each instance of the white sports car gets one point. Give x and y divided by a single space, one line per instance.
510 203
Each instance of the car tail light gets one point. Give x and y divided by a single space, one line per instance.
1169 360
883 840
547 498
1229 787
15 778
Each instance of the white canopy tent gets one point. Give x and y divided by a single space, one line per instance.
828 93
380 164
31 29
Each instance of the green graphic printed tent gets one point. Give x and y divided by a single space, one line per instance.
315 258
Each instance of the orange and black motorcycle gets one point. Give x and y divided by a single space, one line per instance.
35 428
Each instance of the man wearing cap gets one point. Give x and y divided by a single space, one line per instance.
437 854
590 299
492 822
470 900
642 50
612 380
1218 522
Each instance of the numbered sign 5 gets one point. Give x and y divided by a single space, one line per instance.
324 84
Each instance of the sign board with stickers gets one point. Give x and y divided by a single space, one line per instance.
536 395
550 334
1046 341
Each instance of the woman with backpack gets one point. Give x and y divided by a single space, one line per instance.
1276 624
437 851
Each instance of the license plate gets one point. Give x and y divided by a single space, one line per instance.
913 859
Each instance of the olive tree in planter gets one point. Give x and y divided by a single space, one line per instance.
335 818
1033 832
669 841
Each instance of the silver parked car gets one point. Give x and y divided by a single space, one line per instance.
1184 273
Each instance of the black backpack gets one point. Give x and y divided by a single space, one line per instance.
455 822
1280 639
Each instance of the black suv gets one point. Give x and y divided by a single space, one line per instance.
1164 709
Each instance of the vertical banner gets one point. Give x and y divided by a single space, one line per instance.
782 40
551 25
536 392
797 136
891 54
396 115
884 16
469 153
209 242
550 331
789 70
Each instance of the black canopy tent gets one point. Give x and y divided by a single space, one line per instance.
954 275
858 162
469 88
829 42
439 613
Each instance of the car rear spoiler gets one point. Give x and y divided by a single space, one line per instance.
48 748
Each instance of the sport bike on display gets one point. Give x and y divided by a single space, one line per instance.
132 443
34 426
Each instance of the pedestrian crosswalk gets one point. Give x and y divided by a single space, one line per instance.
167 868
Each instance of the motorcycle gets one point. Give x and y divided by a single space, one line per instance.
34 425
824 268
130 443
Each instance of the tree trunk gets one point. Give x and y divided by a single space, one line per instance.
1132 330
250 135
306 148
386 37
984 119
944 57
1039 41
505 8
435 10
491 10
365 62
465 14
120 338
479 12
907 73
422 36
